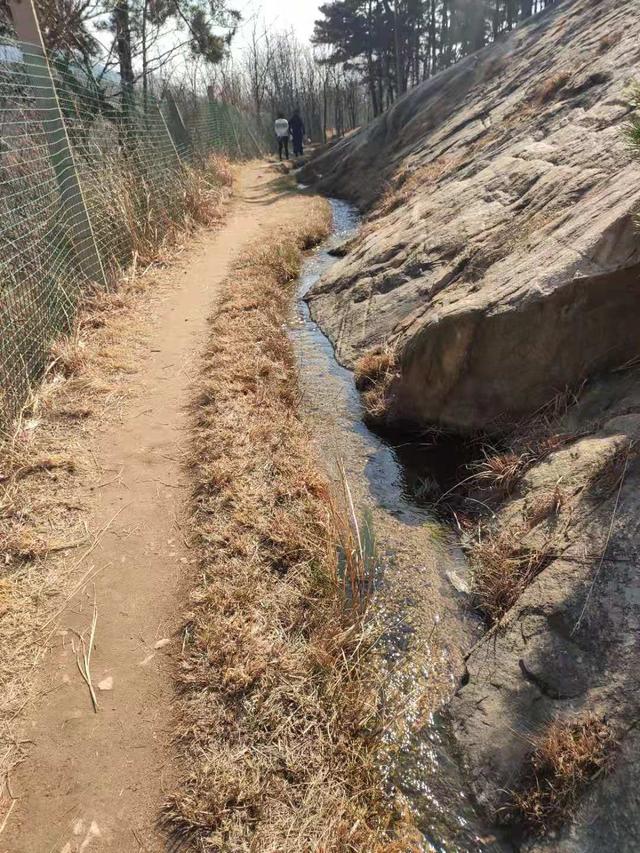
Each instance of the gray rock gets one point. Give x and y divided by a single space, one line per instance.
512 267
570 644
507 268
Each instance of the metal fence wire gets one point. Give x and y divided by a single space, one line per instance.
84 172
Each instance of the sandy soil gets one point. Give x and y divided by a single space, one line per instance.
95 780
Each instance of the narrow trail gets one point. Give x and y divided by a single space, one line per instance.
95 781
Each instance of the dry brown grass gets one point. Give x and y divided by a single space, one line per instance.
564 761
498 474
373 367
139 215
405 184
374 374
502 569
550 87
278 719
494 67
608 41
541 506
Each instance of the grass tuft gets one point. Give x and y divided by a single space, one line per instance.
608 41
407 181
564 761
374 375
500 473
541 506
550 87
528 443
502 569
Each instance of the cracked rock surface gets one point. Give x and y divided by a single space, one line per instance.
505 263
570 644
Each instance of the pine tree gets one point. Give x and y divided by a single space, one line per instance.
394 44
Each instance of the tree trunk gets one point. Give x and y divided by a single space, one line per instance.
325 107
433 39
496 18
145 63
375 103
445 45
123 45
380 84
401 85
526 8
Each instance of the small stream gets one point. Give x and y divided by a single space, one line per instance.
423 574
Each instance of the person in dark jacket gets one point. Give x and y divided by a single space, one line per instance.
296 127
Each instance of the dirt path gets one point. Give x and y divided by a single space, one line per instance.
95 781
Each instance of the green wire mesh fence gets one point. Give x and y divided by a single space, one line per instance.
84 170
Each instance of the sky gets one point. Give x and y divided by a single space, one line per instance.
276 15
298 15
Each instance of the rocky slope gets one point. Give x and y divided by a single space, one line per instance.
568 648
498 267
502 263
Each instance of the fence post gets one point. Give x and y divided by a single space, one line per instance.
177 128
60 152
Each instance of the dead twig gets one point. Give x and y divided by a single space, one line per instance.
6 817
83 659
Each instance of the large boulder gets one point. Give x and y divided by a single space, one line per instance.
503 263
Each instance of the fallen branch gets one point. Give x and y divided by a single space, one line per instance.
83 661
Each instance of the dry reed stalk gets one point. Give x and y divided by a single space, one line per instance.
277 717
83 656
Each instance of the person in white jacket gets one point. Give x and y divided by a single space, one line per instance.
282 135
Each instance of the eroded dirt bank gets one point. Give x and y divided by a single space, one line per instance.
494 290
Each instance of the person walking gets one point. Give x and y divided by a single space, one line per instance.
296 126
282 135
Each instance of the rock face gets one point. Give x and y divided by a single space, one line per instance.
570 645
503 263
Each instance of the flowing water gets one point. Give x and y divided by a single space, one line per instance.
423 574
